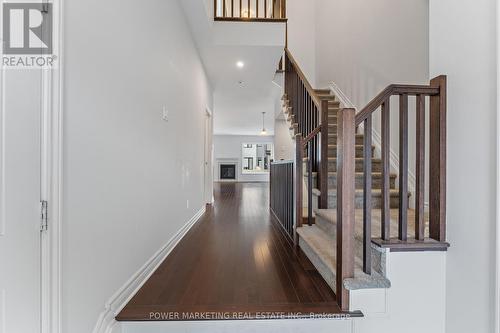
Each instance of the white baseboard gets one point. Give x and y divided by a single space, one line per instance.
345 102
497 274
106 322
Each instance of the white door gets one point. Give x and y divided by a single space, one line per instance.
20 180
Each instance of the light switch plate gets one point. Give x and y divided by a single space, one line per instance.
164 114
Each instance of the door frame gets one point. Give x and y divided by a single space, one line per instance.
51 127
497 286
52 183
497 281
208 157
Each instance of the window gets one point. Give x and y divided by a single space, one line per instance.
257 157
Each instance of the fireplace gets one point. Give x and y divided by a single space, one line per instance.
228 171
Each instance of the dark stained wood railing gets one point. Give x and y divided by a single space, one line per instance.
436 240
282 195
309 117
346 136
250 10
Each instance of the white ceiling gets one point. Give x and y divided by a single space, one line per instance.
240 95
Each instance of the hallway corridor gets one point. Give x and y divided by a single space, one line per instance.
233 263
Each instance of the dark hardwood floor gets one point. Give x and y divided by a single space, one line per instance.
233 264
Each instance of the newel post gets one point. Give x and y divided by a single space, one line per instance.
299 160
437 161
345 202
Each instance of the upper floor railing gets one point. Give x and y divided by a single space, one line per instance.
250 10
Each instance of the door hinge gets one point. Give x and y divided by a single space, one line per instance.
44 215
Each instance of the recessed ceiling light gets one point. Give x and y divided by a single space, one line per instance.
240 64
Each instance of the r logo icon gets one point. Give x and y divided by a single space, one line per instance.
27 28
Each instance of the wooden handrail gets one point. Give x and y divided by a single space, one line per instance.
393 89
312 135
436 240
347 124
309 117
303 78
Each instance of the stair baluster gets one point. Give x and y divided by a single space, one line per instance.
420 170
403 168
386 157
367 196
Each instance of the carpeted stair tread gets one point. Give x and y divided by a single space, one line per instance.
321 251
330 215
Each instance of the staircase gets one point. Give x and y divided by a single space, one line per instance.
333 109
317 240
356 208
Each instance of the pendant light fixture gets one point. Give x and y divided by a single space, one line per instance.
264 132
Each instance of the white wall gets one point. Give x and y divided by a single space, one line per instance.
463 45
416 301
230 147
365 46
127 174
284 146
302 36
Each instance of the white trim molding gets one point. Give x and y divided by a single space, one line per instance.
2 142
497 283
345 102
106 322
52 191
2 152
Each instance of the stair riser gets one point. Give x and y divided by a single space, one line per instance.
376 166
329 229
359 181
326 273
333 112
332 140
332 152
332 129
376 182
329 98
376 202
332 120
332 166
